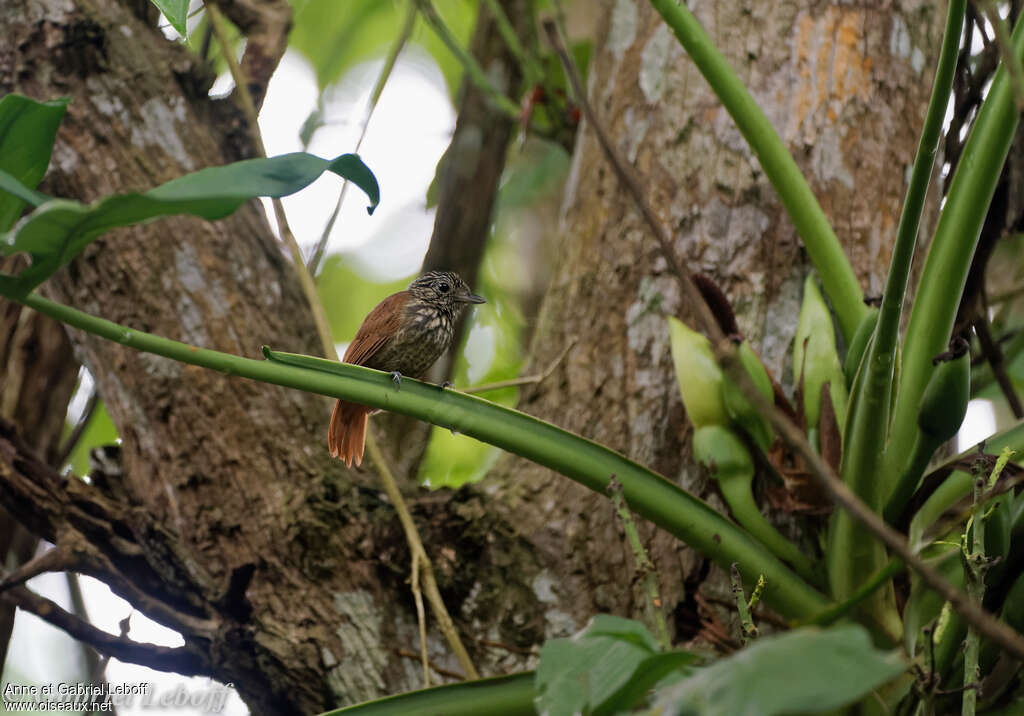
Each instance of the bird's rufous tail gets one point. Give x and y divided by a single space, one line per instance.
347 434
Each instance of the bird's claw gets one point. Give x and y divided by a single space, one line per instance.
397 377
447 384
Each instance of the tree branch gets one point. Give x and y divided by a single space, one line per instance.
183 659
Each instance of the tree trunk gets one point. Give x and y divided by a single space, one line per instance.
287 574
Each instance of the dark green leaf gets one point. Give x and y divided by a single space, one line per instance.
593 670
59 229
27 131
176 12
808 670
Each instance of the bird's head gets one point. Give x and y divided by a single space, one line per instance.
443 289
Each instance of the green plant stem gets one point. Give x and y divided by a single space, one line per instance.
586 462
532 71
949 259
472 68
820 240
644 565
746 621
852 556
922 452
974 556
501 696
958 484
872 585
737 494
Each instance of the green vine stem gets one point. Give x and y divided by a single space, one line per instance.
820 240
586 462
644 565
949 259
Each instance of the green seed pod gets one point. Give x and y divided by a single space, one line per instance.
944 403
739 408
721 451
858 345
698 374
815 360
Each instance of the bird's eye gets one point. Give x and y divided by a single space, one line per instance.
443 287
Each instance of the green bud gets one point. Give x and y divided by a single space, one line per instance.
722 452
698 374
739 408
815 360
944 403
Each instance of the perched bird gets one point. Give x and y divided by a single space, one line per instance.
403 335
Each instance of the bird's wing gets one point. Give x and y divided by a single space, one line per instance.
379 326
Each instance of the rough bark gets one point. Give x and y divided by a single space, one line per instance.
846 87
285 573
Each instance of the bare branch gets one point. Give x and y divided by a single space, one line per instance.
182 659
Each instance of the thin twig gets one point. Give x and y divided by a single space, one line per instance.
412 536
532 71
421 618
993 353
644 565
410 654
526 379
324 332
725 352
378 89
182 659
473 69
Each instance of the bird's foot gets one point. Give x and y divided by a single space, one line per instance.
397 377
447 384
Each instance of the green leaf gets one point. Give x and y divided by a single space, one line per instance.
58 230
99 431
501 696
176 12
27 131
804 671
589 671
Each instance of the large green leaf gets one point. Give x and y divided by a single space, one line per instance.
176 12
27 131
804 671
595 670
99 431
58 230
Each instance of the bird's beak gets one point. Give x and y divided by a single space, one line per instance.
471 298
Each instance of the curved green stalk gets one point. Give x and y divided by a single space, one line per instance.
853 555
501 696
949 259
586 462
820 240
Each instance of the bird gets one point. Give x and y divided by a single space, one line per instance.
403 335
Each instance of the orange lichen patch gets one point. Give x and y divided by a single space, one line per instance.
831 66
